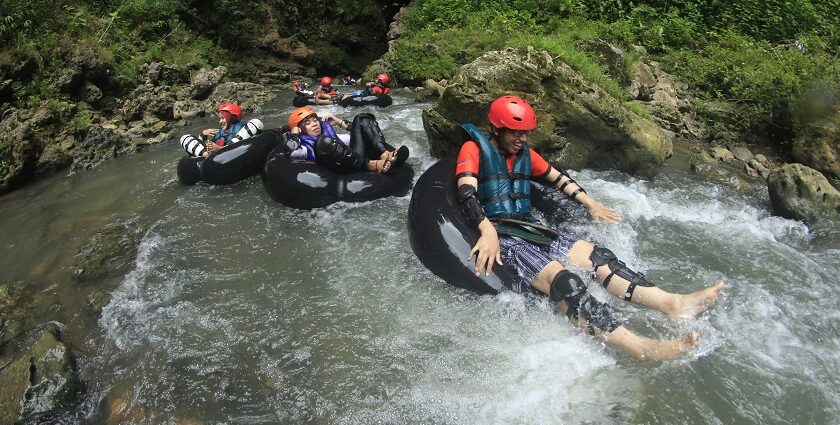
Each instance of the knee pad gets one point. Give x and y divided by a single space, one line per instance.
565 286
371 132
193 145
603 256
250 129
569 287
335 155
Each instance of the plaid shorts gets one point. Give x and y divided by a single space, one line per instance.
528 259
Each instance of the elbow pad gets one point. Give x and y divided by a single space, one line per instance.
470 207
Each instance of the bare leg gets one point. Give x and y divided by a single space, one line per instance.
675 305
639 347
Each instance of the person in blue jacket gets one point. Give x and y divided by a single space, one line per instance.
231 130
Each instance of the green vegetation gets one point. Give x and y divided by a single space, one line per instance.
757 57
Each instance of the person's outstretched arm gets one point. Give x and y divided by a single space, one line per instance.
573 190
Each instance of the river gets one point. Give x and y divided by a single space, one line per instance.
238 310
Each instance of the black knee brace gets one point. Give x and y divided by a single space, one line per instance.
603 256
568 287
337 156
365 125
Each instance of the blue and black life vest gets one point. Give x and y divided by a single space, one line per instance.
503 194
225 136
309 141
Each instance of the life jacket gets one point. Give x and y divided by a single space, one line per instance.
223 137
380 88
503 194
309 141
328 90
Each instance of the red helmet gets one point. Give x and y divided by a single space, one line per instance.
512 112
326 81
299 115
384 78
232 109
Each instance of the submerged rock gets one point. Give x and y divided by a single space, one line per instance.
579 123
41 383
106 253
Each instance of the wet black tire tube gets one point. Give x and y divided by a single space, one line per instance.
303 100
442 239
305 185
230 164
372 100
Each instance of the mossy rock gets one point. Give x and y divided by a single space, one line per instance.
580 124
106 253
41 383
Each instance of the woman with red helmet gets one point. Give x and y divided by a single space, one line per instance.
493 174
313 139
231 130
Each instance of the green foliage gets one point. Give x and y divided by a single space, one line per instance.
761 79
82 120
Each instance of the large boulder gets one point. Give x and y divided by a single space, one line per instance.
819 147
579 122
40 383
802 193
204 81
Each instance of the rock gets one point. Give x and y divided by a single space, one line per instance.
147 99
158 74
759 168
204 81
106 253
99 144
802 193
761 159
40 384
55 157
397 26
721 154
187 109
15 315
710 168
819 147
90 93
580 123
92 67
18 155
247 95
609 56
69 81
742 154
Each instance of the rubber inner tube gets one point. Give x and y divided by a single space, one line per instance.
305 185
372 100
442 239
230 164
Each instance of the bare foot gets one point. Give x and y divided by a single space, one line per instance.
657 351
690 305
651 350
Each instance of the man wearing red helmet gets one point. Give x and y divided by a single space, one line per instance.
380 85
231 130
326 94
494 192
